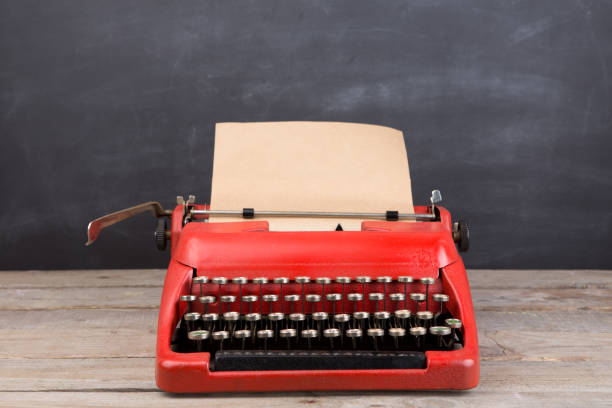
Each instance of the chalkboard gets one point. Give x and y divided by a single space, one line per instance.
506 107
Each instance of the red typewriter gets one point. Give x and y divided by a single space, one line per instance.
248 309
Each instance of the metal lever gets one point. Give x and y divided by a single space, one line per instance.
96 226
250 213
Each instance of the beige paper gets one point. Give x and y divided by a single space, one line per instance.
309 166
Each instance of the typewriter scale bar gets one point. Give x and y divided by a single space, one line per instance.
265 324
250 213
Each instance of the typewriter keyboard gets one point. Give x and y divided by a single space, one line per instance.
315 323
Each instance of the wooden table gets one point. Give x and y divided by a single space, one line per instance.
87 338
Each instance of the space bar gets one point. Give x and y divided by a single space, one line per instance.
237 360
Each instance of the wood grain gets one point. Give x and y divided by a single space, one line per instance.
87 338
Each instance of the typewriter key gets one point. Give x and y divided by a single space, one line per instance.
402 317
424 317
440 298
363 280
405 280
439 332
260 281
270 299
355 297
200 280
309 335
210 319
242 335
190 318
334 298
376 297
253 318
375 333
188 299
360 318
240 281
417 298
427 281
265 335
297 319
384 280
331 334
396 333
274 318
207 300
249 299
354 334
292 299
320 318
397 298
231 318
281 282
343 280
341 319
302 280
220 336
227 299
323 282
313 299
288 334
454 324
418 333
381 318
198 336
219 281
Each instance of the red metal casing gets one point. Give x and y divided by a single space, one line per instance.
249 249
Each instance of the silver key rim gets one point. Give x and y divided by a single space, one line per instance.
190 317
279 281
363 279
405 279
319 316
382 315
332 332
440 330
249 299
402 314
219 280
231 316
207 299
417 297
361 315
427 281
424 315
228 299
220 335
252 317
210 317
418 331
302 279
334 297
323 281
376 296
353 333
242 334
313 298
265 334
397 332
376 332
200 280
275 317
285 333
440 297
453 323
188 298
396 297
343 279
270 298
384 279
354 297
240 280
260 280
342 318
309 333
198 335
292 298
297 317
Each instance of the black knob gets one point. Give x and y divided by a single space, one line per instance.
161 234
461 235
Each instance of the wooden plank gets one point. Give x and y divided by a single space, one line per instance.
139 297
538 278
137 374
96 333
475 398
98 278
479 278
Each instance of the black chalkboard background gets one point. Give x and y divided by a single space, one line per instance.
506 107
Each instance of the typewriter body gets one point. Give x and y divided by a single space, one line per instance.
244 308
